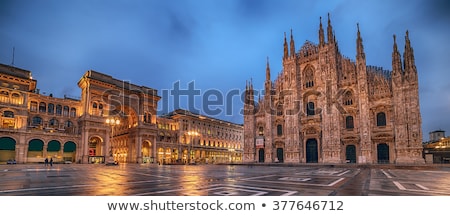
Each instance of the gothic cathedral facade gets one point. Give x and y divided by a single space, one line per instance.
326 108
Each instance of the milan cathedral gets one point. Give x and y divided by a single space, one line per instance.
326 108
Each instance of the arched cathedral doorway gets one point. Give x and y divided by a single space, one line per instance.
312 155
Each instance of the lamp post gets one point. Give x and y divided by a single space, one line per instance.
112 122
192 134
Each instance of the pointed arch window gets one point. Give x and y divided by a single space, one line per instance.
349 122
347 100
310 110
279 110
279 130
381 119
309 78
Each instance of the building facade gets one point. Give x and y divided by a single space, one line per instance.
112 120
186 137
437 148
326 108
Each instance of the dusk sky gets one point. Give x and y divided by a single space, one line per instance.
217 44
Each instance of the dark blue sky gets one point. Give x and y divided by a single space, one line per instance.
217 44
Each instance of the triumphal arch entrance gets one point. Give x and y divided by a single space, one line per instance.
118 120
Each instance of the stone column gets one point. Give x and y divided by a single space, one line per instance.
82 152
44 150
154 151
139 148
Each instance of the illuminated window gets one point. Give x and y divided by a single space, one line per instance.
33 106
16 98
4 97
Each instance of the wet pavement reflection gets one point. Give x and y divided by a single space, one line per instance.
219 180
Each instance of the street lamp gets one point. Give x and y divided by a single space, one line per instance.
111 122
192 134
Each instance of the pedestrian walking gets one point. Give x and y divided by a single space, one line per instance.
51 161
46 161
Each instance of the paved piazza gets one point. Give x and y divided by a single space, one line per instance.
220 180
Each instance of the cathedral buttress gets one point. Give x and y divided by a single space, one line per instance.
365 144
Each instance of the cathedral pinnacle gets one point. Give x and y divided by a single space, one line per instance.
292 45
267 69
286 52
321 34
395 44
396 61
359 45
408 55
330 31
249 96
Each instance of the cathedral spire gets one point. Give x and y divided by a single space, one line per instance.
252 96
321 34
246 98
267 70
268 83
285 45
359 45
396 61
292 45
408 55
330 31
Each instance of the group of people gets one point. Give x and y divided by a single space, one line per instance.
47 162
